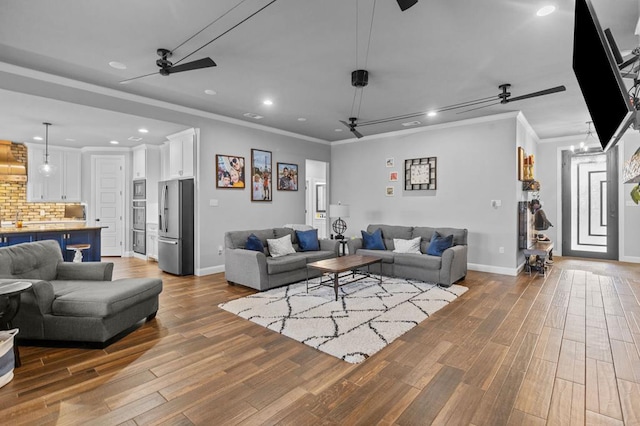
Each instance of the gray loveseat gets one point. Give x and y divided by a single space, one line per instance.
445 270
261 271
74 301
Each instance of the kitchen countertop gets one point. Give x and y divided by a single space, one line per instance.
45 227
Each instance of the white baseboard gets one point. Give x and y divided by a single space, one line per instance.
127 254
140 256
494 269
630 259
208 271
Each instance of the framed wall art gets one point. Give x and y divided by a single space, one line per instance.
390 162
287 177
229 171
420 174
390 191
261 176
393 176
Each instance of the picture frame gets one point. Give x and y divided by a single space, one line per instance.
287 177
230 172
390 162
393 176
261 175
521 163
420 174
390 191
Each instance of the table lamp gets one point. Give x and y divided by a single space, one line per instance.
339 225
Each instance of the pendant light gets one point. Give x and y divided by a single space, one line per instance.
45 168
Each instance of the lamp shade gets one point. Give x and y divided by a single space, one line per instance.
631 172
338 210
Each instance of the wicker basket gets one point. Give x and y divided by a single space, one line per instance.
7 358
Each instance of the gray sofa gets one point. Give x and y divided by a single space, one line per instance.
74 301
445 270
261 271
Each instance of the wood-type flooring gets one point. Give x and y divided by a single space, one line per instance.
527 350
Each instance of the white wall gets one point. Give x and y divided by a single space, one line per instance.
235 210
476 163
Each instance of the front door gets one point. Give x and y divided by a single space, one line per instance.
108 201
590 204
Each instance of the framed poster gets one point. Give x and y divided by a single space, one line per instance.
390 191
389 162
393 176
260 175
287 177
229 171
420 174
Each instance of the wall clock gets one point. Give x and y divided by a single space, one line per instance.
420 174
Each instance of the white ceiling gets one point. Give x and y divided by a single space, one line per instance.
300 54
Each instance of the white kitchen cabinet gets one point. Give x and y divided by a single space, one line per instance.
146 165
181 154
140 162
152 241
64 185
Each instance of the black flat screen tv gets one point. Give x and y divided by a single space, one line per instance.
599 78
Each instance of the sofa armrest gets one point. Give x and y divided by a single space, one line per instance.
246 267
86 271
330 245
454 264
354 245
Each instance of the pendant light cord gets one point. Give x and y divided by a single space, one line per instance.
366 59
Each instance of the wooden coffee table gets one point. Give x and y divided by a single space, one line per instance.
338 265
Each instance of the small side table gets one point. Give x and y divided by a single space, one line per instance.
78 249
9 306
541 249
343 244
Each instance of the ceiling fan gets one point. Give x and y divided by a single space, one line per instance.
504 97
167 67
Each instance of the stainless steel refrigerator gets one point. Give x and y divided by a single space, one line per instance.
175 227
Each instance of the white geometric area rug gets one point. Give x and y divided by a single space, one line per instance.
366 317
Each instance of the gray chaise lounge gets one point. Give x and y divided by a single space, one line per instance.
445 270
261 271
74 301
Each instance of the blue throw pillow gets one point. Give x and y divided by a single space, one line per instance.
308 240
439 244
373 241
254 243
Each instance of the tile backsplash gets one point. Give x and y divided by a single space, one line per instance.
13 197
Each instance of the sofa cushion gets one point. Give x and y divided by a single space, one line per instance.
314 256
238 239
423 261
37 260
389 232
254 243
287 263
407 246
101 298
308 240
280 246
385 255
439 244
373 240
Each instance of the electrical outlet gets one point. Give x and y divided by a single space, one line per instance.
501 250
219 250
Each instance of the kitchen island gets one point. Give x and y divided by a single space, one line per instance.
65 233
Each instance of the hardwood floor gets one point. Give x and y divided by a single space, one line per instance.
563 349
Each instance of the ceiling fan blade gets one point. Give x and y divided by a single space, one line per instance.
195 65
129 80
346 124
406 4
357 133
540 93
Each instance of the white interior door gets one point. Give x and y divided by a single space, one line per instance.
109 202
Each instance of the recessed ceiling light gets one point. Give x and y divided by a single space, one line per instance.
210 92
337 130
411 123
267 102
302 119
546 10
134 139
252 115
37 138
432 114
117 65
114 142
143 130
70 140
